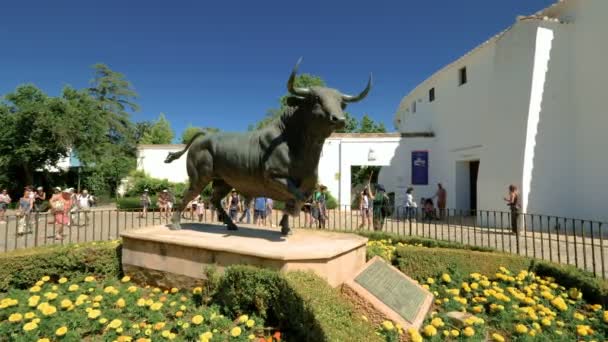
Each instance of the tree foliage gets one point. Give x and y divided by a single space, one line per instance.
159 133
190 131
93 123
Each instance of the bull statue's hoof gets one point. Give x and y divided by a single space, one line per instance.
233 227
175 226
286 231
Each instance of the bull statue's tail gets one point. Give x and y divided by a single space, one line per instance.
175 155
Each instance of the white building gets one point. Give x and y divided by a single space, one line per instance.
526 107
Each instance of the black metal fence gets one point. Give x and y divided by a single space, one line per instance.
558 239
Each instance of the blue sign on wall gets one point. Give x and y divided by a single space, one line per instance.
420 167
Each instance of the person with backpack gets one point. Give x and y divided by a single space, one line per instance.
381 205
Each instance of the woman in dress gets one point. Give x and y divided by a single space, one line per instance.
26 204
61 207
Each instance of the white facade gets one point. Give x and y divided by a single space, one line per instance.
532 112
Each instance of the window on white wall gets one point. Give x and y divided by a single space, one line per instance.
414 106
462 76
432 95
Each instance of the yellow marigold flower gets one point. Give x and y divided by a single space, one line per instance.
243 318
478 309
61 331
48 310
174 290
66 303
560 323
574 293
96 305
132 289
115 324
579 316
126 279
429 330
388 325
35 289
110 289
30 326
521 329
236 331
98 298
496 337
446 278
454 333
430 281
39 283
156 306
141 302
124 338
159 325
16 317
165 333
546 322
29 315
468 332
62 280
206 336
73 288
437 322
93 314
33 300
198 319
179 314
44 340
121 303
250 323
45 278
103 320
89 279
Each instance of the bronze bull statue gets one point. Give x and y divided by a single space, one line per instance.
278 161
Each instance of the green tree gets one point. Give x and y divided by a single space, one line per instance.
368 125
190 131
159 133
141 128
34 134
351 124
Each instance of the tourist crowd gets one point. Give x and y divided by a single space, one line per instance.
68 207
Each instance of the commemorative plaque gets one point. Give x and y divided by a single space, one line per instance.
393 295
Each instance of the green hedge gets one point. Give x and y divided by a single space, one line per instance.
301 304
412 240
22 268
133 203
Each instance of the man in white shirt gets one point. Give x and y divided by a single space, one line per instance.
84 201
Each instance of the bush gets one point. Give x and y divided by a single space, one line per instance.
412 240
21 268
593 288
303 305
133 203
139 182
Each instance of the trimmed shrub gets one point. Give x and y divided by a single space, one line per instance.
594 289
423 262
133 203
412 240
303 305
22 268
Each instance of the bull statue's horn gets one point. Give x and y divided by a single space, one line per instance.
362 95
292 79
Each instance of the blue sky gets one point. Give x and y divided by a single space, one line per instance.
224 63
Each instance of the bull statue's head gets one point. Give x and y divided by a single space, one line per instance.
326 104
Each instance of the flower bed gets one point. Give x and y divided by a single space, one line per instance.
504 306
77 309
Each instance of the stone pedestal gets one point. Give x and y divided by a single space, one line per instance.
162 257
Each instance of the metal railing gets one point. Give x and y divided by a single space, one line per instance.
563 240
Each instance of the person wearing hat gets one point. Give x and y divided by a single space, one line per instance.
61 208
145 202
39 198
381 205
5 200
84 202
